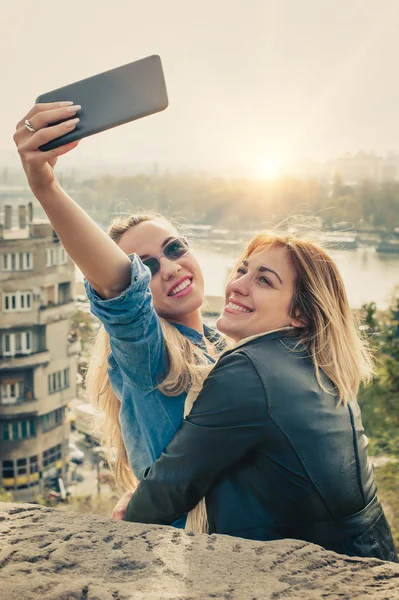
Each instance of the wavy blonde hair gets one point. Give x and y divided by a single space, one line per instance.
331 333
187 369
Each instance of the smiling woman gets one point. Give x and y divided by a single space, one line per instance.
144 360
292 282
274 441
153 345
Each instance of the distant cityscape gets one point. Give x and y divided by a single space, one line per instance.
352 167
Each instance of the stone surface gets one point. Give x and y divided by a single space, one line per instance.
51 555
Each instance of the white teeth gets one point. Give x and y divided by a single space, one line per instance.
180 287
237 307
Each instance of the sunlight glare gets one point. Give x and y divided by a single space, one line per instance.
269 168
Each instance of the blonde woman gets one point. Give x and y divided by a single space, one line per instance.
274 441
146 287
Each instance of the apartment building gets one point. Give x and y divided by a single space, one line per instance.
38 356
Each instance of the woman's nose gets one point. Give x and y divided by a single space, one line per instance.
241 285
169 268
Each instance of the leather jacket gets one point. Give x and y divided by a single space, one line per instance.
273 453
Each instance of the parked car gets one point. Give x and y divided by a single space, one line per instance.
75 455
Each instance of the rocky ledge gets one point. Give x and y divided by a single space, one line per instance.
51 555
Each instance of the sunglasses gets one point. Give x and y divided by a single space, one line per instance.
172 251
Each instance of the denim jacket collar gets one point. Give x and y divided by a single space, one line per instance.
197 338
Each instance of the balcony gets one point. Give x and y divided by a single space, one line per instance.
25 360
56 312
19 318
25 405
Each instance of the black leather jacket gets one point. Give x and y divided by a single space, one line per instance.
271 451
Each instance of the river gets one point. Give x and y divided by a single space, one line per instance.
369 276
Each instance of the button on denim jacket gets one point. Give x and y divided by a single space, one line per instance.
148 418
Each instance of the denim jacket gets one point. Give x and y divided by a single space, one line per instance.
148 418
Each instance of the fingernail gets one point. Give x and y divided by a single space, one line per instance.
74 108
72 122
68 103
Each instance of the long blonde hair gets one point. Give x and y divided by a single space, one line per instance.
331 332
187 368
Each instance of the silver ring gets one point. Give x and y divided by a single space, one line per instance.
29 127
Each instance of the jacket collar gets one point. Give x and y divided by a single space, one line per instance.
213 336
275 333
265 334
197 338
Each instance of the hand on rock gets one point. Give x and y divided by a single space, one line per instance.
120 508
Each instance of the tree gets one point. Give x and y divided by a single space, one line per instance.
83 325
6 496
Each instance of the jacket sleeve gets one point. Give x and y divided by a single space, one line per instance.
226 422
136 337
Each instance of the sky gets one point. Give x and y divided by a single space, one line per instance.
251 84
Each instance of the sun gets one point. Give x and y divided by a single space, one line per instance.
269 168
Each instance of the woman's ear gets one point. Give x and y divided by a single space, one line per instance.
298 320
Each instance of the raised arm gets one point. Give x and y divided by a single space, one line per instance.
226 422
103 263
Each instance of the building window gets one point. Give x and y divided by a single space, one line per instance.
64 292
14 431
51 455
17 301
17 343
10 302
56 256
18 473
21 261
49 293
8 469
59 380
24 429
45 419
11 391
62 256
52 419
51 257
19 430
33 465
21 466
